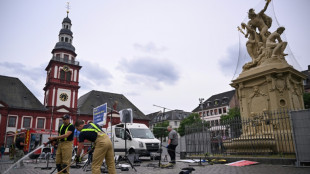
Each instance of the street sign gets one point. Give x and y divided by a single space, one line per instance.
100 114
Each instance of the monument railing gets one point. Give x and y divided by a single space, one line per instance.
267 134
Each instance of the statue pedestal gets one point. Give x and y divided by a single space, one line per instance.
273 85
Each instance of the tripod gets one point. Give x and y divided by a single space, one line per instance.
125 157
88 162
47 153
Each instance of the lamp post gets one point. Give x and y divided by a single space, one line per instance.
201 106
51 124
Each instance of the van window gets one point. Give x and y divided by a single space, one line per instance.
142 133
118 132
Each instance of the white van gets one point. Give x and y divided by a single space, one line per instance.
140 140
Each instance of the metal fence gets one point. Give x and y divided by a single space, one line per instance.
269 133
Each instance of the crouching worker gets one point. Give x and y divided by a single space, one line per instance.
65 145
103 146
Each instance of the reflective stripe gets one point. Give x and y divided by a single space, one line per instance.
94 129
65 130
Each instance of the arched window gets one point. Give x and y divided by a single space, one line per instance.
68 76
66 39
66 58
62 75
62 39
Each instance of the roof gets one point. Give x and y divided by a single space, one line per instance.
92 99
66 20
222 99
16 95
170 115
64 45
65 31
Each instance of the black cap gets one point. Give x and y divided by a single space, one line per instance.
66 116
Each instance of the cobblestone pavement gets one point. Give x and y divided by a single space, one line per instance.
143 169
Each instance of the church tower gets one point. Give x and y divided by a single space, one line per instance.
62 81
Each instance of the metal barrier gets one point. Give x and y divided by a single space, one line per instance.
301 134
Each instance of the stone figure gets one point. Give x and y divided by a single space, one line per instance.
261 51
260 21
276 48
257 92
253 39
261 55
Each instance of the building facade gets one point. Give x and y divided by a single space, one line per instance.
217 105
307 80
174 118
20 109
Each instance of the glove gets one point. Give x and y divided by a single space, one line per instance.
77 159
167 146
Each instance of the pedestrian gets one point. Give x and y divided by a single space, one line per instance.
2 149
172 143
19 149
65 144
103 146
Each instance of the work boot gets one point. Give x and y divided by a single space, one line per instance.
64 166
59 168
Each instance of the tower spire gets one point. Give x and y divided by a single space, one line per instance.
68 7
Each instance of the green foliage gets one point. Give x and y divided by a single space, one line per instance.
307 100
161 128
192 118
232 113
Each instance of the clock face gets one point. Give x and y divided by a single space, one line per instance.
63 97
66 68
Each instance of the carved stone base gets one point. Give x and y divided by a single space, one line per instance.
250 145
272 86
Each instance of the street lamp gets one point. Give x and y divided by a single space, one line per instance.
202 120
201 105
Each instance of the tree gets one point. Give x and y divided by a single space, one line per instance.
192 118
161 128
232 114
307 100
232 121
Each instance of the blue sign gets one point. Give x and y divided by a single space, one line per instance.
100 114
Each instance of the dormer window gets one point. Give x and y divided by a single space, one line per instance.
215 102
224 99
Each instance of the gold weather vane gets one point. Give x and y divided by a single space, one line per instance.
68 7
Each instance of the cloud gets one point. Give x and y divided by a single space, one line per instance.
149 48
149 71
93 74
32 77
231 62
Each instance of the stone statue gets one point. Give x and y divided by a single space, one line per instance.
253 39
263 45
260 21
276 47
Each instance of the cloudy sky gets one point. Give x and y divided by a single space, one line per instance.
164 52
